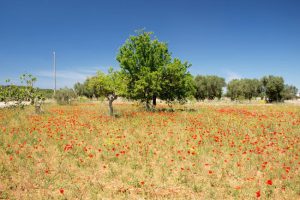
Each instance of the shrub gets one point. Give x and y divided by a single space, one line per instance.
64 96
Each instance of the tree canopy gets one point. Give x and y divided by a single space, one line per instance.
209 87
244 89
289 92
148 65
273 87
25 92
110 85
176 82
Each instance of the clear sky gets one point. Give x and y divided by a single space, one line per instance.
232 39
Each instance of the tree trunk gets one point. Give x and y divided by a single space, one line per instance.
111 109
147 105
37 106
38 109
154 101
111 98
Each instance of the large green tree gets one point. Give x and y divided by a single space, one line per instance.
141 59
151 72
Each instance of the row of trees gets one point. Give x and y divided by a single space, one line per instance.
148 71
272 88
210 87
20 94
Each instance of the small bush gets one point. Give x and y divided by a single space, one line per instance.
64 96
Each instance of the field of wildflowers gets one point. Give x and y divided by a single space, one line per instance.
201 152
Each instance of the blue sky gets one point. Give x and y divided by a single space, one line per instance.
232 39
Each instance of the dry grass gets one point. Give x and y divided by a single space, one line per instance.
207 152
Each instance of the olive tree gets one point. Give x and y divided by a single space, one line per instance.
234 89
65 96
111 86
244 89
273 87
289 92
209 87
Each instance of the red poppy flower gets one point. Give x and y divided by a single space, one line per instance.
61 190
258 194
269 182
68 147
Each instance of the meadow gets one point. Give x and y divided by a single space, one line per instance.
200 151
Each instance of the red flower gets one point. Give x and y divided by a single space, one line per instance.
258 194
68 147
61 191
210 172
238 187
269 182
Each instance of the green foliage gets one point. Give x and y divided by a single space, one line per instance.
79 89
64 96
103 84
148 67
239 89
47 93
109 85
273 87
176 82
251 88
201 87
209 87
89 91
19 94
234 89
141 58
289 92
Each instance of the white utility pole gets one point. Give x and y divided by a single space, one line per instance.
54 67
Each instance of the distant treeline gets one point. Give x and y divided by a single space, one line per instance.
271 88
